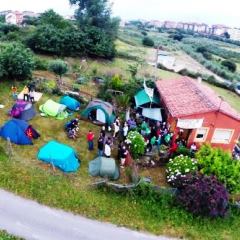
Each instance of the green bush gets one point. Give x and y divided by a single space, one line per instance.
180 166
117 82
147 41
182 151
214 161
76 87
137 143
40 64
231 66
16 61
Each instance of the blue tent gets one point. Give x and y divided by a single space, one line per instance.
71 103
60 155
14 130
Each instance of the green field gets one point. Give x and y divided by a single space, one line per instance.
24 175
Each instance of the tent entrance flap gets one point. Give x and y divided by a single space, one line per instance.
190 123
101 116
152 113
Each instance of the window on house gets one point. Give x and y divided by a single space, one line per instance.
201 134
222 136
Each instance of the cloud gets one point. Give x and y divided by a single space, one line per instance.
209 11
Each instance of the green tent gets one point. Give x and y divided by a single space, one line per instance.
53 109
103 111
104 167
142 98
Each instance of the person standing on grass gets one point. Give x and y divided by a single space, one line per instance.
90 138
31 96
116 129
26 94
100 145
14 92
103 132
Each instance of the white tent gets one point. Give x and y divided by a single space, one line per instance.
152 113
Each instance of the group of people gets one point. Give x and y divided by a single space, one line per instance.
155 134
72 128
28 93
107 139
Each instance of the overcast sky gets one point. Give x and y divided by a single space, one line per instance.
209 11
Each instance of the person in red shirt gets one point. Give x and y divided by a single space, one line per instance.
90 138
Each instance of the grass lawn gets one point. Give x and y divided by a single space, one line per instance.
28 177
5 236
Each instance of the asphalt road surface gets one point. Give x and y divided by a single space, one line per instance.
30 220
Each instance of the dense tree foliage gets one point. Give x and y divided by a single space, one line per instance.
16 62
94 34
177 36
147 41
94 19
58 67
51 17
231 66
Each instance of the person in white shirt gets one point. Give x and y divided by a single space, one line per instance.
125 130
107 150
116 128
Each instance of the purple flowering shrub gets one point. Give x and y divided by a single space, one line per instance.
203 195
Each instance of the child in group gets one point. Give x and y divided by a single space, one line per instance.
14 92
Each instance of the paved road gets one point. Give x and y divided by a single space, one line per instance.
30 220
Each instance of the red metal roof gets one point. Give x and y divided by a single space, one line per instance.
185 97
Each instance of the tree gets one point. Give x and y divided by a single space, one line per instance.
58 67
147 41
16 61
2 18
231 66
94 19
51 17
28 20
177 36
133 69
226 35
202 49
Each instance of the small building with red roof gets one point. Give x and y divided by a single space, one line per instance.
197 114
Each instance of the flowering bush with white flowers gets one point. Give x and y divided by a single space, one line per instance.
179 167
136 142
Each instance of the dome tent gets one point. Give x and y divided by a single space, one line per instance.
16 131
54 109
23 110
71 103
103 112
104 167
59 155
